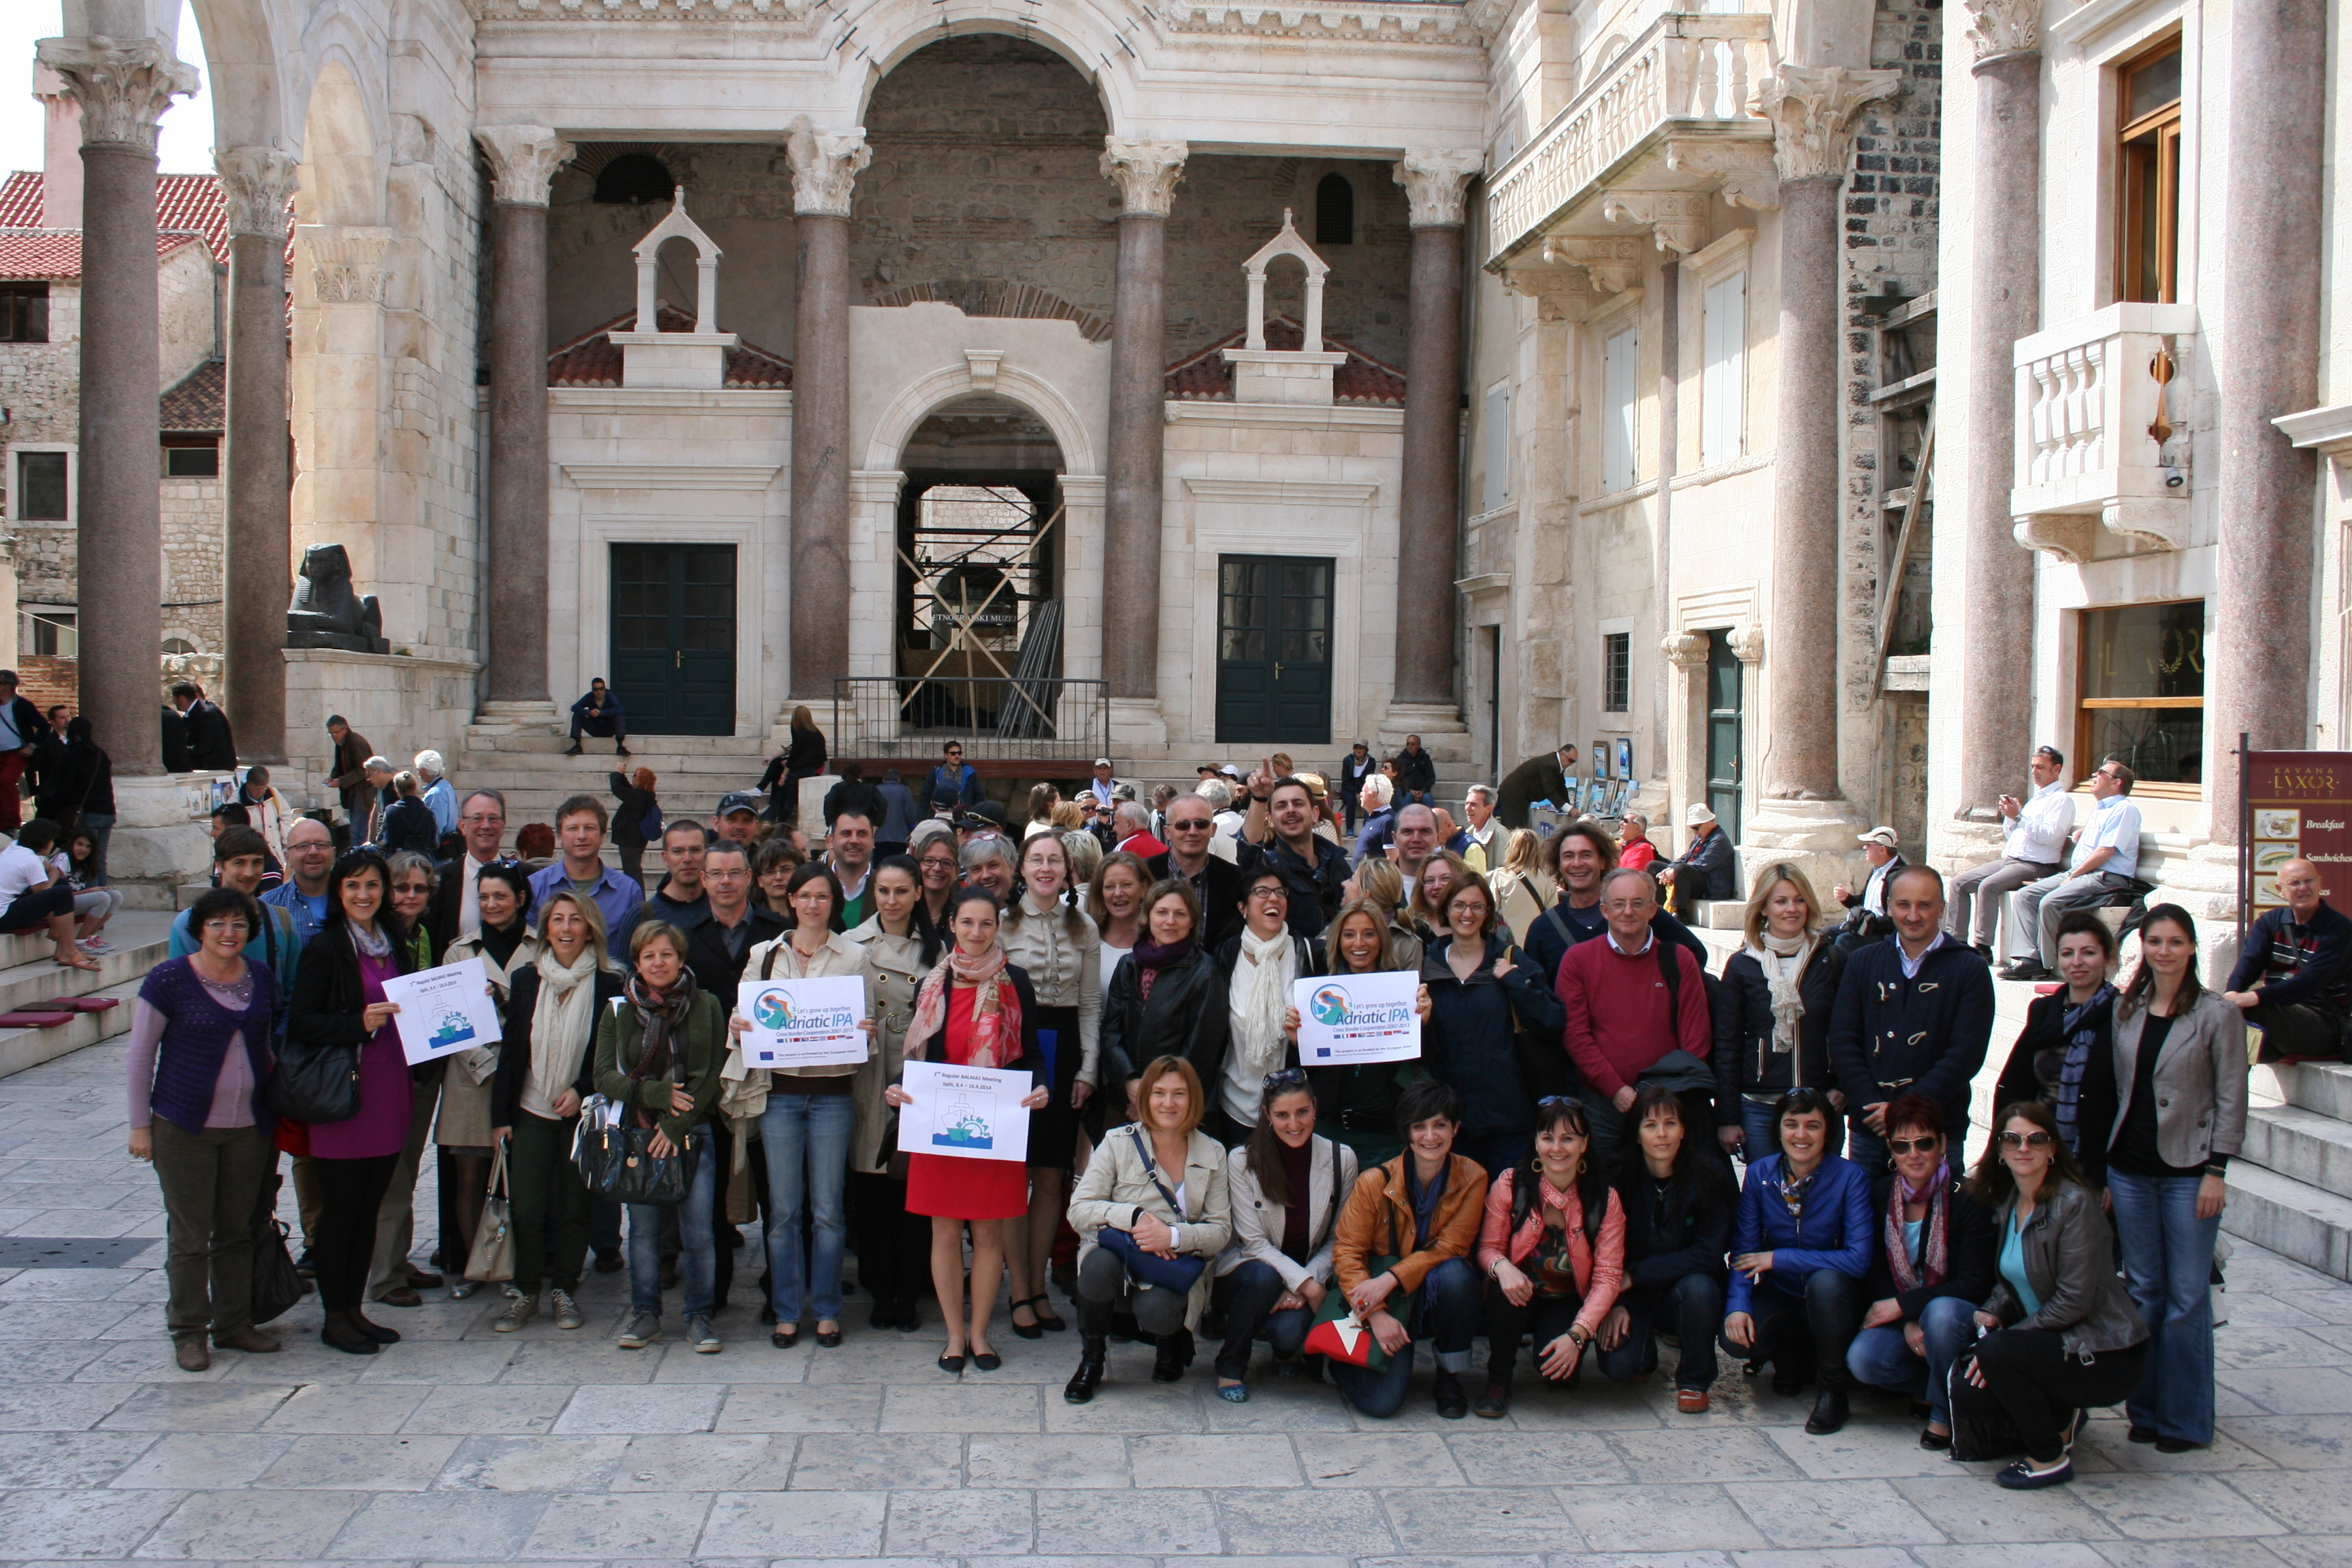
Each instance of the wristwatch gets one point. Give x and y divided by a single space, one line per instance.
1576 1333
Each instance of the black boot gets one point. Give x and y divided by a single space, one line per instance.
1088 1377
1828 1412
1174 1353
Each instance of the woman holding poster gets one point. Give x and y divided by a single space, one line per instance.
1356 1104
974 1010
504 944
894 1247
811 1111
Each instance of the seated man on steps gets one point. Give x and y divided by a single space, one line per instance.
599 713
2293 978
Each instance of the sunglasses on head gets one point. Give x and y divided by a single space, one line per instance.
1907 1145
1287 1078
1549 1100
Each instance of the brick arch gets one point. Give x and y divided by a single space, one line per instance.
1000 297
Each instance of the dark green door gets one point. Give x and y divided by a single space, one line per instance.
1274 649
1723 732
674 638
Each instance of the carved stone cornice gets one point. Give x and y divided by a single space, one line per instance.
1434 180
1812 109
1613 262
794 12
1684 650
122 86
523 159
346 263
1410 23
2004 27
1676 219
1745 168
1146 172
824 168
256 184
1746 643
1561 292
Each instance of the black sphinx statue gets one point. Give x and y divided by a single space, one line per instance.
326 613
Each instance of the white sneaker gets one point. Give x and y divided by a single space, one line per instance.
643 1329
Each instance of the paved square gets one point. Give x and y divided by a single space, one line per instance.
463 1446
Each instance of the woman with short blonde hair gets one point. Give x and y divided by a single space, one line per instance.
1772 1013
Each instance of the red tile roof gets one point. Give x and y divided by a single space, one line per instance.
198 405
55 254
1206 376
20 200
184 201
591 360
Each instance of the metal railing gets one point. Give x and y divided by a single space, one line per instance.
997 718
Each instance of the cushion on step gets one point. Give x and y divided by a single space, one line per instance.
26 1020
89 1004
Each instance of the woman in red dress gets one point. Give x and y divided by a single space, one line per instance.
974 1010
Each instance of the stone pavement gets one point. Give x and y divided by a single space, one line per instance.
463 1446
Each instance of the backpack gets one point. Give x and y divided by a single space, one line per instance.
649 825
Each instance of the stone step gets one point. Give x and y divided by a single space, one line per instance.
2323 1087
2307 1224
22 1048
26 984
2307 1145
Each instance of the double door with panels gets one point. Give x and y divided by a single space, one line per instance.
673 638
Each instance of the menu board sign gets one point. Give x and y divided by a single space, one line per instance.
2298 807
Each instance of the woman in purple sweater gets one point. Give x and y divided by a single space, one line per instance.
199 1056
338 1001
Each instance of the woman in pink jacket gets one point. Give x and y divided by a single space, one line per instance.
1553 1251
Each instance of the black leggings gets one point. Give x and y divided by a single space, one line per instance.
1545 1317
2029 1375
349 1194
894 1247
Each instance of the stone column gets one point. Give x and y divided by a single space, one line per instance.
1813 110
2260 675
514 686
1550 329
824 169
1428 491
256 183
2004 305
122 86
1683 742
1147 173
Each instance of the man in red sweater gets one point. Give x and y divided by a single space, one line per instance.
1623 1015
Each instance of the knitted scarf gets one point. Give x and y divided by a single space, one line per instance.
1151 957
1271 964
2080 1032
1783 960
995 1008
1935 1249
561 1026
661 1012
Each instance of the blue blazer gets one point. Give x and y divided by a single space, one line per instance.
1837 1232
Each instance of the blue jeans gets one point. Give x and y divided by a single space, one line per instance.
1247 1298
2167 1257
807 1140
699 1263
1882 1357
1447 1311
1693 1306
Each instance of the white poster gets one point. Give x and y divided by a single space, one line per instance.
804 1022
1346 1018
970 1113
444 1011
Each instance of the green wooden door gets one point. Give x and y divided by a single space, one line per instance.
1274 649
674 638
1724 732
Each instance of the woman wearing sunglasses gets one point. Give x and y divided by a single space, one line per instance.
1285 1186
2064 1338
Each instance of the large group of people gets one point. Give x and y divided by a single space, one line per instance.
1608 1147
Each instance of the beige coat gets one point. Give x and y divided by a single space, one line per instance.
1064 973
464 1120
1116 1186
896 965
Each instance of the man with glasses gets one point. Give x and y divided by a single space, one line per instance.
1216 881
680 899
1280 831
1264 960
2034 845
2106 863
1914 1015
952 785
310 855
1631 999
2291 976
457 906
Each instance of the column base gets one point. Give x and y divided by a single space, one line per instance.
1963 842
1818 837
1137 721
497 723
159 842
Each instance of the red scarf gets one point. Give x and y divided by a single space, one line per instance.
1935 1250
995 1008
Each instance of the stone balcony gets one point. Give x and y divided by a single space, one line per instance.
1667 120
2103 439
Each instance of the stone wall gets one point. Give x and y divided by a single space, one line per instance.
40 382
196 532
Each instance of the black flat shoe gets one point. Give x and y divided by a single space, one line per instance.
2141 1433
952 1366
1933 1441
1029 1331
784 1338
376 1331
828 1338
1042 1309
2177 1446
987 1361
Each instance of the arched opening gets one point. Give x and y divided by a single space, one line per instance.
980 550
339 174
1335 211
633 179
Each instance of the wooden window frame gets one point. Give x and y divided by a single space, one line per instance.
2086 707
2147 149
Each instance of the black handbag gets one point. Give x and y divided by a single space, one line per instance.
315 1083
276 1285
616 1164
1981 1429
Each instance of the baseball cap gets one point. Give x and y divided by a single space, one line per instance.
1230 771
1884 836
987 813
738 800
1102 761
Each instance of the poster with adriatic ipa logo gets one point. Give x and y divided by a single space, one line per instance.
804 1022
2300 803
1346 1018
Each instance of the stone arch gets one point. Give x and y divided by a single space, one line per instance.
924 396
341 184
243 54
1079 31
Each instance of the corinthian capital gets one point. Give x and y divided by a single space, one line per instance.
256 184
1434 180
1147 173
523 159
824 168
2004 27
123 86
1811 109
1684 650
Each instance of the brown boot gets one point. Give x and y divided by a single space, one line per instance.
247 1338
190 1353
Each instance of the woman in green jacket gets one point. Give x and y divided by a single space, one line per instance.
659 1050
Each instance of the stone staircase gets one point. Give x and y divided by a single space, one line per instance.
28 978
2291 1185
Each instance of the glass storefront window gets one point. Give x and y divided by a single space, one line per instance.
2142 695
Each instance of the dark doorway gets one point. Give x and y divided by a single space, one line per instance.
1724 732
1274 649
674 638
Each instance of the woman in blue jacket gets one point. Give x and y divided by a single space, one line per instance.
1800 1251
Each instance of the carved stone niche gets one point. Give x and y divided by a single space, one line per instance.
651 357
1301 375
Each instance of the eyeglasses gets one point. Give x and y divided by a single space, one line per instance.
224 924
2025 1139
1922 1145
1288 1077
1268 895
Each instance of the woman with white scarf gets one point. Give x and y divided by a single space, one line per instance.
1264 961
544 1073
504 943
1772 1018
